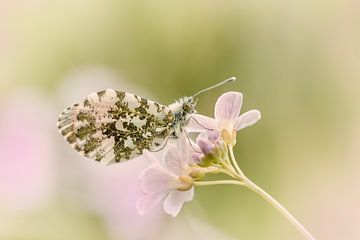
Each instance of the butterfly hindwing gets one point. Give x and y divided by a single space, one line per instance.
112 126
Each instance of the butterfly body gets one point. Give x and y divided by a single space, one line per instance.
181 109
112 126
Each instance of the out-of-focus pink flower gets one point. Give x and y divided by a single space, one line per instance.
27 154
111 192
227 118
168 180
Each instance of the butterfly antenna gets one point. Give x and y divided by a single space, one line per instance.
229 80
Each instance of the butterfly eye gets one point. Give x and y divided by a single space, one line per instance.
188 108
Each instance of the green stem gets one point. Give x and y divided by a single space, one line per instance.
217 182
230 169
227 172
233 160
221 169
248 183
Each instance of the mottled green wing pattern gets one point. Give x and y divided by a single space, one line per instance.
112 126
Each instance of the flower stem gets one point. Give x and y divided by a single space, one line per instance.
249 184
279 207
217 182
233 160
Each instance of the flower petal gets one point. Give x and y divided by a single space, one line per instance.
156 178
177 158
228 106
189 195
200 123
147 201
186 146
172 160
175 200
247 119
150 156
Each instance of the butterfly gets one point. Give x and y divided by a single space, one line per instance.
112 126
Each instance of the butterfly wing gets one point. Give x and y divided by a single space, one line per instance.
112 126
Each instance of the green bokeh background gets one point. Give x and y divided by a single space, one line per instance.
296 61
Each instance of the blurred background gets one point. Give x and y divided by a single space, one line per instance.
296 61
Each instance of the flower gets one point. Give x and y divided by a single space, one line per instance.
227 118
169 180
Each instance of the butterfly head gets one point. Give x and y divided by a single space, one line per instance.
189 104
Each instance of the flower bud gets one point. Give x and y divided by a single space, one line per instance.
205 146
213 135
196 156
197 173
187 182
212 148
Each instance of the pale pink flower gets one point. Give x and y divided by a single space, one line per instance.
111 192
227 118
168 180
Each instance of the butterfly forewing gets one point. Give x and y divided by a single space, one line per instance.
112 126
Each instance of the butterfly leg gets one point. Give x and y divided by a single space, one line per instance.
189 140
162 147
197 122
